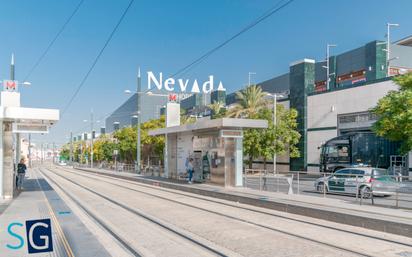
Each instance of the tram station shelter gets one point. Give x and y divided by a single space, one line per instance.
14 121
215 145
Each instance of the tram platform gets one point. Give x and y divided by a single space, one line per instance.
390 220
39 201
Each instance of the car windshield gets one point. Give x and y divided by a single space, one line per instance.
378 173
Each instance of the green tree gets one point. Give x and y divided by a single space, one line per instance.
104 148
218 109
152 145
394 113
264 143
65 152
249 101
185 118
127 143
276 139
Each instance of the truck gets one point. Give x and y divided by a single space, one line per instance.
357 149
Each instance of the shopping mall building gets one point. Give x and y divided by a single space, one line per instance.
357 80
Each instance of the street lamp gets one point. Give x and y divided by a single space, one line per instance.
275 96
250 73
388 46
138 116
150 93
91 137
138 93
327 67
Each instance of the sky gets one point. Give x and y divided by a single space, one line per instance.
164 36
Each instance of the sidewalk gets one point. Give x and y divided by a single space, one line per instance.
36 201
396 221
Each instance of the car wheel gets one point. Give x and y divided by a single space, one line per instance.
320 187
366 192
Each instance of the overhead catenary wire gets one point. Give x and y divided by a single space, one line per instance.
279 6
67 106
41 57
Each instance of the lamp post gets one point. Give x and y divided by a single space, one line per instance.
139 120
250 73
327 67
275 96
71 148
388 46
138 117
91 137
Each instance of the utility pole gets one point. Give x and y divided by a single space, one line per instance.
275 98
139 80
388 46
250 73
41 153
29 150
274 124
92 134
71 148
53 154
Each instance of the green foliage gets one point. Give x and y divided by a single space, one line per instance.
185 118
126 143
65 152
276 139
394 113
218 110
103 149
249 102
152 145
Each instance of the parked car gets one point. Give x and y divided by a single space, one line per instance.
363 180
62 163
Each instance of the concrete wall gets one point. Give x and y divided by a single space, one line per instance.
324 108
323 111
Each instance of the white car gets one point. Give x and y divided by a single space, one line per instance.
61 163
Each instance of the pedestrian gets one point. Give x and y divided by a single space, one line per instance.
21 173
190 170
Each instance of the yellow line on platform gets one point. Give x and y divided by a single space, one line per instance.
58 227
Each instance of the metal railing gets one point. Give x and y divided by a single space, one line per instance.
383 190
268 181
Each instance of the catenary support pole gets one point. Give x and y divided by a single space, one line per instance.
138 122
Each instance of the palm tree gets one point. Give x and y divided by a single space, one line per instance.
249 101
216 108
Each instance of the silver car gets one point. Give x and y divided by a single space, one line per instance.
364 181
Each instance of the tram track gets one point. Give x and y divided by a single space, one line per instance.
133 211
122 242
135 183
239 219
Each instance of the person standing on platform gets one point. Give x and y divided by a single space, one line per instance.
190 170
21 173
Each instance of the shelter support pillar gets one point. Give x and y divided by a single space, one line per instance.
6 161
18 148
239 162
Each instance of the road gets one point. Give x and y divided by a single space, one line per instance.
306 187
152 221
